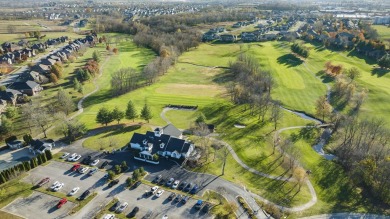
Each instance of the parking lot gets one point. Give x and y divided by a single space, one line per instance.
39 205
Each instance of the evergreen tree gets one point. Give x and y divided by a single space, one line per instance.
32 163
6 174
49 155
146 114
131 112
117 114
39 160
96 56
104 116
201 118
83 75
43 158
2 178
76 84
384 62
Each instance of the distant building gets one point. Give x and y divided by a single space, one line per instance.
382 20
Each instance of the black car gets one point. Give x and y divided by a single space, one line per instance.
136 184
178 198
115 206
185 199
104 164
133 212
206 208
162 182
87 160
84 195
188 187
171 196
113 183
182 185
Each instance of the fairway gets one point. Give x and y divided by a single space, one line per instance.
383 31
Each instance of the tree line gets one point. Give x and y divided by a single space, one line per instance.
106 116
13 172
300 50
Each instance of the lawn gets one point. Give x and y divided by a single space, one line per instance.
383 31
334 190
6 215
14 189
182 119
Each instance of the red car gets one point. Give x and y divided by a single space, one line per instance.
44 181
76 167
62 202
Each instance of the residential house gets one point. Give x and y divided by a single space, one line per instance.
228 38
41 68
31 88
10 96
10 47
33 76
40 146
48 61
15 144
209 36
166 141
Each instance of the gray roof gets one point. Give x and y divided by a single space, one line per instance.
172 131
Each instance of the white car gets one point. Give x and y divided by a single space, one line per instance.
84 169
175 184
58 187
95 162
154 189
71 157
64 155
159 193
74 191
55 184
93 171
122 207
77 158
105 176
109 216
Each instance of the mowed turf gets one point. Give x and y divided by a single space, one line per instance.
383 31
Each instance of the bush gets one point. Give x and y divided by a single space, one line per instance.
111 174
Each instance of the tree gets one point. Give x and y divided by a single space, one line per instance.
111 174
11 112
83 75
146 114
53 78
48 154
353 73
384 62
2 178
201 118
224 152
76 84
115 50
6 127
155 157
117 114
71 129
64 101
300 175
104 116
323 108
117 169
96 56
57 70
276 113
131 112
124 166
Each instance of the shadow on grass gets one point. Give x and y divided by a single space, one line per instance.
289 60
121 130
324 77
379 72
368 60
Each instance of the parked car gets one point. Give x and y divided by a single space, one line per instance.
162 181
194 189
157 179
133 212
159 193
185 199
55 184
44 181
175 184
76 167
122 207
171 196
58 187
182 185
206 208
188 187
109 216
74 191
87 160
105 176
165 217
77 157
104 164
95 162
178 198
84 195
93 171
83 170
199 204
64 155
170 181
71 157
113 183
154 189
136 184
62 202
115 206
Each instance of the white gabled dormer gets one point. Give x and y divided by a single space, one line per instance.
145 142
158 132
162 145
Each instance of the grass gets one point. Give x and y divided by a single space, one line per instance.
219 203
13 189
334 189
180 118
6 215
105 209
383 31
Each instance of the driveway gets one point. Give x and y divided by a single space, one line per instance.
39 205
9 158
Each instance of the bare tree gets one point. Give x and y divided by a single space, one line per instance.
276 113
300 175
224 153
